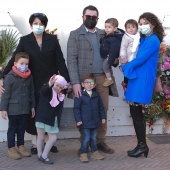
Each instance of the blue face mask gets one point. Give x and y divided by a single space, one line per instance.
37 29
145 29
23 68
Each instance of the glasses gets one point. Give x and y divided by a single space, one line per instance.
39 14
91 17
89 82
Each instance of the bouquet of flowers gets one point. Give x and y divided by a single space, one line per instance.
160 107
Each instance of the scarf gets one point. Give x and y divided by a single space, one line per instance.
54 102
23 75
136 39
55 97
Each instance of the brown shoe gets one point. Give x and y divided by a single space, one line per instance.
104 148
107 82
21 149
84 158
97 155
12 153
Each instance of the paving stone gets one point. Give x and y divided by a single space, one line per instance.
67 159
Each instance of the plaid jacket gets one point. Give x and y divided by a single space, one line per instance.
80 54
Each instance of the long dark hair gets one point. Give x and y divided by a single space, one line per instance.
153 19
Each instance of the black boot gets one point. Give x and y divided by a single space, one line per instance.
142 147
133 150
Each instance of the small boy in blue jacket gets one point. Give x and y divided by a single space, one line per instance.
110 47
89 113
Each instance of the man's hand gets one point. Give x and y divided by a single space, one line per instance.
77 90
1 86
4 115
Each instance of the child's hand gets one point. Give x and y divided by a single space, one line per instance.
79 123
103 121
124 61
4 115
33 112
120 69
52 80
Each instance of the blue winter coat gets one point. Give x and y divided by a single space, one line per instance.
89 110
110 45
141 71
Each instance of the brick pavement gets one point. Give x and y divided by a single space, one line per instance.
66 158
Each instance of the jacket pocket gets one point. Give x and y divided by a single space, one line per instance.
13 105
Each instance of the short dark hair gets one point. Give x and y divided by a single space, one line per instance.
112 21
131 21
92 8
42 17
89 76
21 55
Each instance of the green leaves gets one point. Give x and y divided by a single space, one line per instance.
8 42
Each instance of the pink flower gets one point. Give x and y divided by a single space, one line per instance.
167 59
167 96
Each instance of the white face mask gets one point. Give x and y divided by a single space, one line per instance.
145 29
37 29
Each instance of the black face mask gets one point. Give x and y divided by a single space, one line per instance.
90 23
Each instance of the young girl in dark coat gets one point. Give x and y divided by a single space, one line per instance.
48 107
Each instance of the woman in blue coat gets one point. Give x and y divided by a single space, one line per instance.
141 73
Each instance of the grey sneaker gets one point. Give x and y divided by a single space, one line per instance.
46 160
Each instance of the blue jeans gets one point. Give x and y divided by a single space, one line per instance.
17 125
88 135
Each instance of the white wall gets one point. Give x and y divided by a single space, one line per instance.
67 15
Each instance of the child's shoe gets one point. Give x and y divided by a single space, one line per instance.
107 82
97 155
12 153
46 161
21 149
84 158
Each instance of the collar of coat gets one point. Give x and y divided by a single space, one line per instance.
94 93
82 30
44 38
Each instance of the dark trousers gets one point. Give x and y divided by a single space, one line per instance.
88 135
138 122
17 125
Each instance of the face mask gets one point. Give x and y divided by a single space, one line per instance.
145 29
23 68
90 23
37 29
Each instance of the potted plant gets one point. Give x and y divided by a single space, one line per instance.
8 42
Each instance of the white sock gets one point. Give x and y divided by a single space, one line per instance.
40 141
109 78
49 144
